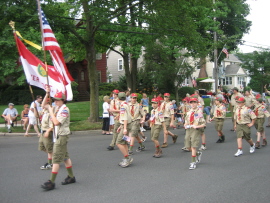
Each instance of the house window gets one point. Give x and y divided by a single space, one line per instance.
82 76
240 80
120 64
226 81
98 56
99 76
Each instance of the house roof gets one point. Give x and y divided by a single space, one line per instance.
233 69
232 58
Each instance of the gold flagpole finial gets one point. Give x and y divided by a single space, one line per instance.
12 24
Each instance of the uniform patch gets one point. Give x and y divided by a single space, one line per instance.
122 110
64 113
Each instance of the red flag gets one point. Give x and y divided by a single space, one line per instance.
224 50
50 43
35 72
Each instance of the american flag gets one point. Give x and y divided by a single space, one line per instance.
50 43
224 50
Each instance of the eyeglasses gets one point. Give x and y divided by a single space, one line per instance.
165 96
134 97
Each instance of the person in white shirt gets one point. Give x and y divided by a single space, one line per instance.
106 116
34 115
10 114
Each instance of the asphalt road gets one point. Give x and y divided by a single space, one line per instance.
220 177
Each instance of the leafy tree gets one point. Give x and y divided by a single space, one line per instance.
257 65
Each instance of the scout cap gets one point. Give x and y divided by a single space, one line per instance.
193 100
154 100
115 91
258 96
59 96
167 95
194 96
241 100
184 99
134 95
235 88
122 95
10 104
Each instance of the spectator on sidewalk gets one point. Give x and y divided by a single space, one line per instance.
10 114
24 116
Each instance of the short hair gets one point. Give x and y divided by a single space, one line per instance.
38 96
26 105
106 98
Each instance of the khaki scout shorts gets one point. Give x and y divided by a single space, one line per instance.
192 138
219 123
259 124
167 122
120 136
46 143
243 131
60 152
135 128
155 131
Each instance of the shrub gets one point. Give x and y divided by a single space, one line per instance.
106 88
75 92
185 90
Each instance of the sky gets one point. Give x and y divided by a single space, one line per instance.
259 34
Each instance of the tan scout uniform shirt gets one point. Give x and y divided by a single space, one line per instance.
124 113
201 101
233 102
260 111
138 111
185 108
46 122
220 111
157 117
63 116
250 100
167 108
115 105
198 117
244 116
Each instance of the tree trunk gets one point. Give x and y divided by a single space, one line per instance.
202 64
93 82
134 73
127 71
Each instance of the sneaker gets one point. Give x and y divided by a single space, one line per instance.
121 162
44 167
126 162
174 138
69 180
252 148
257 146
202 148
141 148
9 130
185 149
192 166
144 139
199 157
264 143
49 166
144 130
48 185
158 153
130 152
110 148
238 153
164 145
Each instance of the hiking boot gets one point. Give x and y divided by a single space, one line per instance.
48 185
192 166
202 148
174 138
164 145
141 148
252 148
158 153
238 153
257 146
264 143
46 166
223 138
110 148
69 180
199 157
219 140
